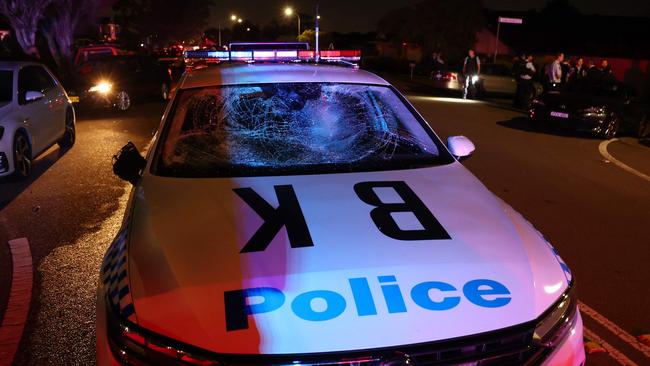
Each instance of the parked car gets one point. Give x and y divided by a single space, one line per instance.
35 113
602 109
119 81
499 79
494 79
90 53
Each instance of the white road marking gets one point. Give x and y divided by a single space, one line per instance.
603 151
618 331
611 351
20 295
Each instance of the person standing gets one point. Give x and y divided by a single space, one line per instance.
438 66
518 69
554 72
526 83
578 71
471 71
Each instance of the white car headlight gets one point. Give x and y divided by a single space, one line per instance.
102 87
557 321
474 79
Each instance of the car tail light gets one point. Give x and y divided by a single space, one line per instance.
450 76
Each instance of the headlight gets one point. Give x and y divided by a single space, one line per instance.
102 87
136 346
474 79
598 112
557 321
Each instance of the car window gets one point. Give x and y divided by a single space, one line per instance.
98 55
33 78
6 86
292 128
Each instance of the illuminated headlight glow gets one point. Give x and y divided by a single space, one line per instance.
594 112
474 79
102 87
558 321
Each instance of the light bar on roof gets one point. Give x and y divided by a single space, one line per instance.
268 55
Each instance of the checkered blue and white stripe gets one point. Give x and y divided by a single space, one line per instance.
115 276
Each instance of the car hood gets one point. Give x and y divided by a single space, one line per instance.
187 234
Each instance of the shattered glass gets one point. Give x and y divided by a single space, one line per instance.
290 128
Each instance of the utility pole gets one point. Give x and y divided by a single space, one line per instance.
317 53
507 21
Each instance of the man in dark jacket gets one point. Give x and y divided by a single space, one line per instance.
471 71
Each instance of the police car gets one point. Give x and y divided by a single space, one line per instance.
294 212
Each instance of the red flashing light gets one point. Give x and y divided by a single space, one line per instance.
344 55
306 55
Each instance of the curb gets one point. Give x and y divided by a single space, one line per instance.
20 297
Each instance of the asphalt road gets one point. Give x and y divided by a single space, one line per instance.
69 212
596 215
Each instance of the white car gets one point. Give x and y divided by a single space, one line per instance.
300 213
35 113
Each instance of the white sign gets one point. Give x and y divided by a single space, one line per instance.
511 20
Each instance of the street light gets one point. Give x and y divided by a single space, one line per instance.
233 18
288 11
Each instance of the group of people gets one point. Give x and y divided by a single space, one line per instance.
557 75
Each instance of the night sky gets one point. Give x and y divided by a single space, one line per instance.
362 15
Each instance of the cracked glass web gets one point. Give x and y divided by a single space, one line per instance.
291 125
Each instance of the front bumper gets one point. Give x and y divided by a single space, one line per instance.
570 351
6 164
94 99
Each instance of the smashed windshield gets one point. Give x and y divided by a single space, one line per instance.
291 128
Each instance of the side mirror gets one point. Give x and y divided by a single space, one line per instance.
460 146
128 163
32 96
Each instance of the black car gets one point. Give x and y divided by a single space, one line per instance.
600 108
120 80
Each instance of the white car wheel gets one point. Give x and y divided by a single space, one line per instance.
122 101
22 156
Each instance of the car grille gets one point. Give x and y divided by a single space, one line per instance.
4 164
511 346
504 348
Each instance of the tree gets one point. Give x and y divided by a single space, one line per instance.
449 26
171 20
62 18
23 16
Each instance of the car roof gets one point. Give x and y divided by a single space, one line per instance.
242 74
12 65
